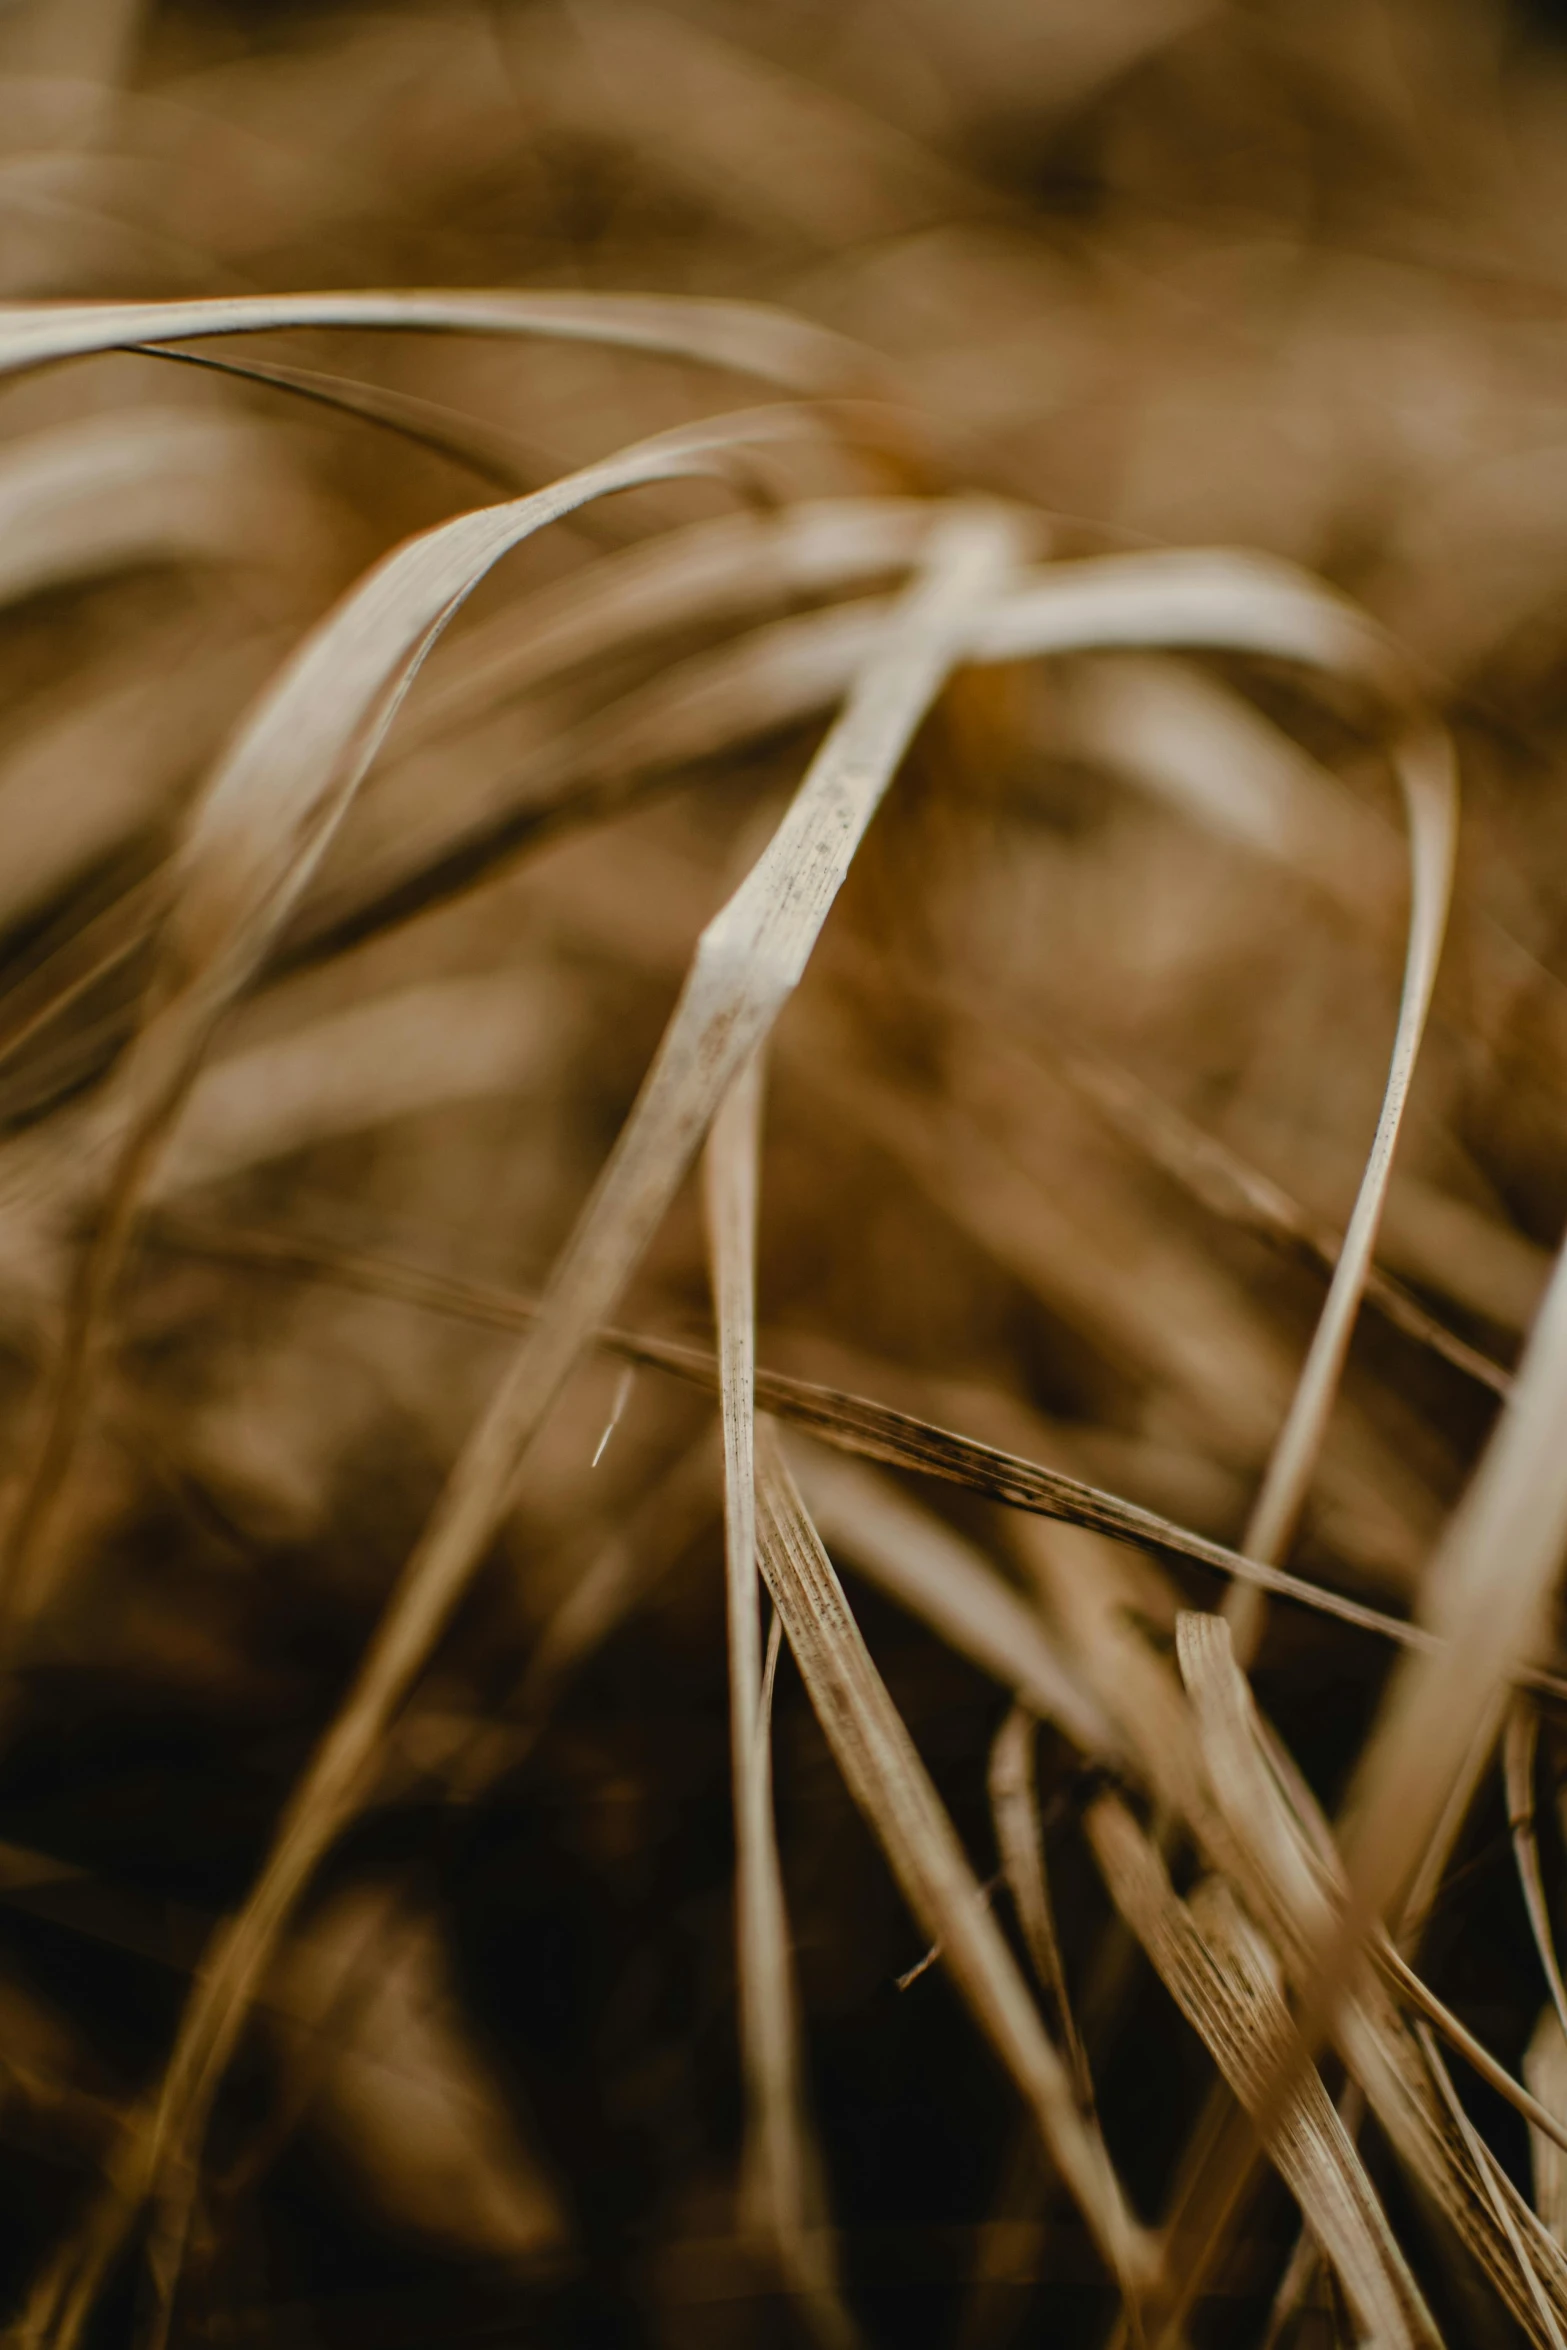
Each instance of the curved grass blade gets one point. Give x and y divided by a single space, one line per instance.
749 338
255 837
461 440
748 962
1486 1594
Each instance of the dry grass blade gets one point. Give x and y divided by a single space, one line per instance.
780 2194
747 337
1014 1807
1486 1595
1225 1985
794 670
258 833
889 1783
749 959
461 440
1248 605
1519 1743
865 1428
1545 2070
1227 1185
1281 1854
1431 812
1487 2170
725 570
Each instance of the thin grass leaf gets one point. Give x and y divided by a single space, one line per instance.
1278 1855
1209 1171
889 1783
1519 1743
747 337
1431 812
780 2191
1223 1980
253 841
747 964
1486 1594
857 1425
1014 1807
462 440
1487 2169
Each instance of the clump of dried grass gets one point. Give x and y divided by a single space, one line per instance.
519 1866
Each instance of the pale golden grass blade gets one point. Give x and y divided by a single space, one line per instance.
255 837
1223 1978
747 337
1545 2070
780 2196
1431 812
747 964
1253 605
1279 1853
1020 1837
889 1783
1519 1745
727 570
794 670
867 1430
1486 1594
1487 2170
1275 1819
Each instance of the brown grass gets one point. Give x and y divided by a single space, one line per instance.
718 1617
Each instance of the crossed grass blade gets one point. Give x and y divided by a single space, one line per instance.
889 1783
1280 1856
1226 1988
747 964
867 1430
781 2197
1486 1594
255 837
